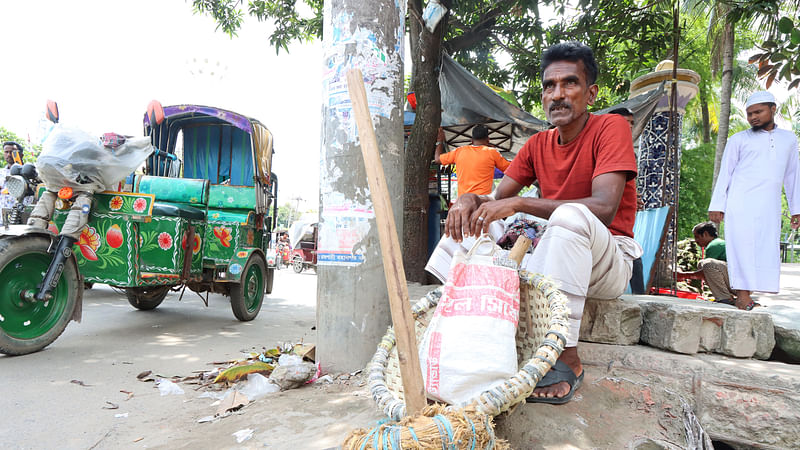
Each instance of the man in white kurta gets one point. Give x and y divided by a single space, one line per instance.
757 162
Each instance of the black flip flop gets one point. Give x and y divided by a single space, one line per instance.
727 301
558 373
751 305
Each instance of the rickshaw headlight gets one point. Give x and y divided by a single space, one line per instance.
17 187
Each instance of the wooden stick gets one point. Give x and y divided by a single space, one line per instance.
519 249
390 249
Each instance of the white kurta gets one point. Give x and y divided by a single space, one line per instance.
755 165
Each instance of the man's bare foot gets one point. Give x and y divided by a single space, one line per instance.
569 357
743 299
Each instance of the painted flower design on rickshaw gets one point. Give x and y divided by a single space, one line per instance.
195 247
89 242
215 216
241 254
53 227
114 236
224 235
115 203
164 240
139 204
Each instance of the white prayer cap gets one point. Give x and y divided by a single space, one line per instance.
759 97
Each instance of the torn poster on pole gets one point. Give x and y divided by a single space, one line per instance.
341 240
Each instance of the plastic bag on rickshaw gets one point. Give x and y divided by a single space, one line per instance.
73 158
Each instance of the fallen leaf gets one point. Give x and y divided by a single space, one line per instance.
232 401
80 383
130 395
138 439
144 374
236 372
111 405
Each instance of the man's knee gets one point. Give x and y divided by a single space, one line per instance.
572 216
709 263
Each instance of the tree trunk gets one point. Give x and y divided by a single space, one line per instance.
725 98
706 119
426 58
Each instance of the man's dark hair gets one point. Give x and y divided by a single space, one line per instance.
13 144
480 132
622 112
705 227
572 51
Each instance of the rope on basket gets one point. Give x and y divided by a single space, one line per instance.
436 426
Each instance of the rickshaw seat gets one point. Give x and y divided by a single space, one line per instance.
175 210
185 191
222 196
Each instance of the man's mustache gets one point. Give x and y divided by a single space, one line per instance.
559 104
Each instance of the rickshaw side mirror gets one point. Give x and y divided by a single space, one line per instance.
155 113
52 111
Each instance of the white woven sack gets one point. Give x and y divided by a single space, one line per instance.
469 345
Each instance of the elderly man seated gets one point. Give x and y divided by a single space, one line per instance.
586 171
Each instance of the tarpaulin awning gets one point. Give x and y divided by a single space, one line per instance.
467 101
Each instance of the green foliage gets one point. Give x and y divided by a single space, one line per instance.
697 171
779 55
286 215
29 154
291 22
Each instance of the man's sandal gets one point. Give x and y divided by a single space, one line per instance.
751 305
558 373
727 301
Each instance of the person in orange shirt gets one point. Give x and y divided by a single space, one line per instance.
476 162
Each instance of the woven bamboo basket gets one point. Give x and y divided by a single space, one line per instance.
540 339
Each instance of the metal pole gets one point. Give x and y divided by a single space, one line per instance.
352 298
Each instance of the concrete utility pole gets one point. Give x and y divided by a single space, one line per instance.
352 299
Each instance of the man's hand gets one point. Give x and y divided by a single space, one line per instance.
457 224
795 221
489 212
716 216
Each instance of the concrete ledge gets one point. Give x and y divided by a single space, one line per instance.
633 395
617 321
693 326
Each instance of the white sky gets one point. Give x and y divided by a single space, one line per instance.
103 61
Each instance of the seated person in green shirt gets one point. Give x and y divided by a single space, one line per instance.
713 269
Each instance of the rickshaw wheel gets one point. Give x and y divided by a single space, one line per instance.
297 264
248 295
146 298
27 327
270 280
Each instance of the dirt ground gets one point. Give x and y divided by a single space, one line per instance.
59 397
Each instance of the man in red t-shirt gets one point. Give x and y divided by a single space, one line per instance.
474 163
586 171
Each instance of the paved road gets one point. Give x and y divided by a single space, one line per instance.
43 408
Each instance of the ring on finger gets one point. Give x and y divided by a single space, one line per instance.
480 219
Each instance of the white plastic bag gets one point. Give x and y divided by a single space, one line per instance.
73 158
167 387
469 346
258 386
433 13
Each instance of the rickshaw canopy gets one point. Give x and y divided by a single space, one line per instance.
218 145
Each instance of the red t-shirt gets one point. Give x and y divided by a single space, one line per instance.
565 172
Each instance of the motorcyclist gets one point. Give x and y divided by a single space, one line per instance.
12 153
